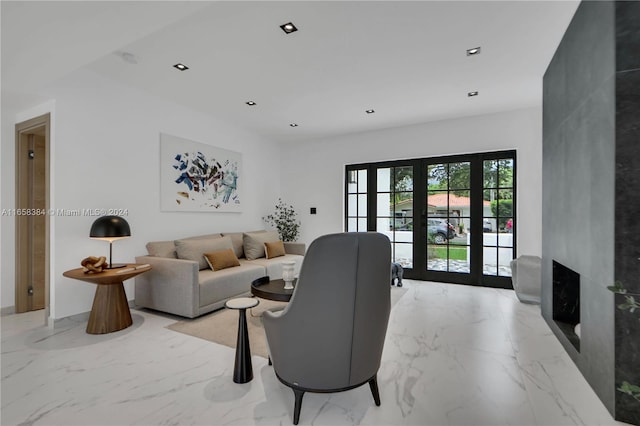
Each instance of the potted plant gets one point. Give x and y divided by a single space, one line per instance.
284 219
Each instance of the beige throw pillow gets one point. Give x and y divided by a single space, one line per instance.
222 259
274 249
254 243
194 249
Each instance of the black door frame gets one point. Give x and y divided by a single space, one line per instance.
420 165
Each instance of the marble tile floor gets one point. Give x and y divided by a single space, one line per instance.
455 355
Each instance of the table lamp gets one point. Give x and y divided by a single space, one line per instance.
110 228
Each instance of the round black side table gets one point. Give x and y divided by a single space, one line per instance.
243 370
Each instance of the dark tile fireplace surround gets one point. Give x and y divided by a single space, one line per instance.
591 198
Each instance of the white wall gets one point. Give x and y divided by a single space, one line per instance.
313 173
105 154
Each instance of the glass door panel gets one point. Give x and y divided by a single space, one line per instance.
456 225
449 217
498 222
357 198
394 210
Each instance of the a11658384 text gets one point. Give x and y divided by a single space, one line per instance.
65 212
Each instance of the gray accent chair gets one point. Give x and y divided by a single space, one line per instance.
330 336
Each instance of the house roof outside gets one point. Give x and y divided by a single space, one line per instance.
439 201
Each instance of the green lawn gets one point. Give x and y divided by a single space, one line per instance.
455 253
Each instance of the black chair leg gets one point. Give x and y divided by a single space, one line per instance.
298 405
373 384
270 363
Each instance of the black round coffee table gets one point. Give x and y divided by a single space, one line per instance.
271 289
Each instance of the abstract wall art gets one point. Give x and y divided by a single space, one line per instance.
198 177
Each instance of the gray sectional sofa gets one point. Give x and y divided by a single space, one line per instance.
182 283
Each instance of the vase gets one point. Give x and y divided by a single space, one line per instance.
288 274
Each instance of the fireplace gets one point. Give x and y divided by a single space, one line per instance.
566 301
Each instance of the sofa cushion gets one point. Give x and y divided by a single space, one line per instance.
232 282
203 237
274 249
195 248
236 239
221 259
254 243
162 249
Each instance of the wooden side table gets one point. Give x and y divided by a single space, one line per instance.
110 311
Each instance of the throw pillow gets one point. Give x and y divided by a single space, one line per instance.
194 249
254 243
222 259
274 249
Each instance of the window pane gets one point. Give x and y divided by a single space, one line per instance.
403 179
459 266
362 205
464 227
352 224
403 236
352 188
505 174
436 257
505 237
403 216
490 260
384 180
352 208
490 173
403 254
505 255
362 181
383 205
384 225
437 202
489 239
362 224
352 177
459 176
437 176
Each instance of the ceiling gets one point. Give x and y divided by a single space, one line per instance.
405 60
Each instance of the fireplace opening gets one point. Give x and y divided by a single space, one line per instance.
566 301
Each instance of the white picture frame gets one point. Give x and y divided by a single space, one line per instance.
196 177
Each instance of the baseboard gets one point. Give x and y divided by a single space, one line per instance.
7 310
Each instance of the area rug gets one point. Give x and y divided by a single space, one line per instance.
222 326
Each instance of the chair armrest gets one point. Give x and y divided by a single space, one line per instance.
170 286
295 248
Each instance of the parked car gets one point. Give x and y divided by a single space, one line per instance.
487 226
441 229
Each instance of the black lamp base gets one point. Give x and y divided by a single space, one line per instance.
116 266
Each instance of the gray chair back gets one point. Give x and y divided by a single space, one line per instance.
331 335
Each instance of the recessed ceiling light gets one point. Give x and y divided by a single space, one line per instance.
181 67
250 103
293 125
474 51
288 28
370 111
470 94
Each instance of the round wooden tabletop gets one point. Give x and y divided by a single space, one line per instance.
271 289
108 276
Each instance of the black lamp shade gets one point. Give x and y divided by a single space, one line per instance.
110 227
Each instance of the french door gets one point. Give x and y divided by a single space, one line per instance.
449 219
